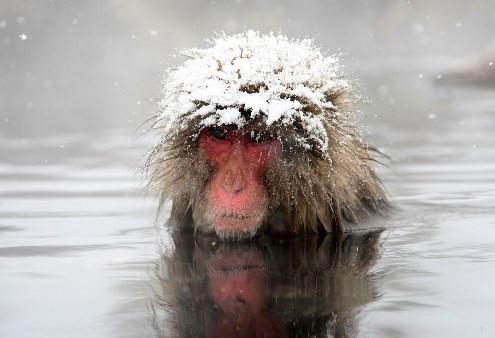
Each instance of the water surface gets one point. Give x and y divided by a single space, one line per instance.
79 253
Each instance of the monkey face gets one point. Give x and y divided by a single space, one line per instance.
236 198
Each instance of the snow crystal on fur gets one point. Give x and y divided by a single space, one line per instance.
287 75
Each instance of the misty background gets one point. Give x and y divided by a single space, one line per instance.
90 66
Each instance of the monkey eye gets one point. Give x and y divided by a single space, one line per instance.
219 133
260 137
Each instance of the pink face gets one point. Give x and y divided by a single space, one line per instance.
238 285
237 200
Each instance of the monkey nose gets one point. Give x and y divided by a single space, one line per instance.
233 183
234 188
237 190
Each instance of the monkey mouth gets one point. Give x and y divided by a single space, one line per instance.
238 225
234 216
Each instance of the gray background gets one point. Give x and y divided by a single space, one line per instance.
91 65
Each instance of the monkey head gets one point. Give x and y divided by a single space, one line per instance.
257 133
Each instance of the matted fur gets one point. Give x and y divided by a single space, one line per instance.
309 190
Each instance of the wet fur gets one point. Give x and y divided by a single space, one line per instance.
308 190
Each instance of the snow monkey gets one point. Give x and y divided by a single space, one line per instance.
258 135
295 287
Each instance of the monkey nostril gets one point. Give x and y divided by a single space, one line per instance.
233 189
237 190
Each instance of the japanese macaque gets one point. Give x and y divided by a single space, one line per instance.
258 136
295 287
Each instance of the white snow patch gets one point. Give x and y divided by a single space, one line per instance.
218 81
278 108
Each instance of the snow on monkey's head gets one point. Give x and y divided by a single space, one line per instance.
253 124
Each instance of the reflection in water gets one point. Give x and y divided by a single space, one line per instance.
309 287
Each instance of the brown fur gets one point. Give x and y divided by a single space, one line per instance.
308 190
314 286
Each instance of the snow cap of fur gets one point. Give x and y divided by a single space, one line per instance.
269 76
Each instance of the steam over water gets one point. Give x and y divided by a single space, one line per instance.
79 241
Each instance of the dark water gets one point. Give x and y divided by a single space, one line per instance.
79 252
